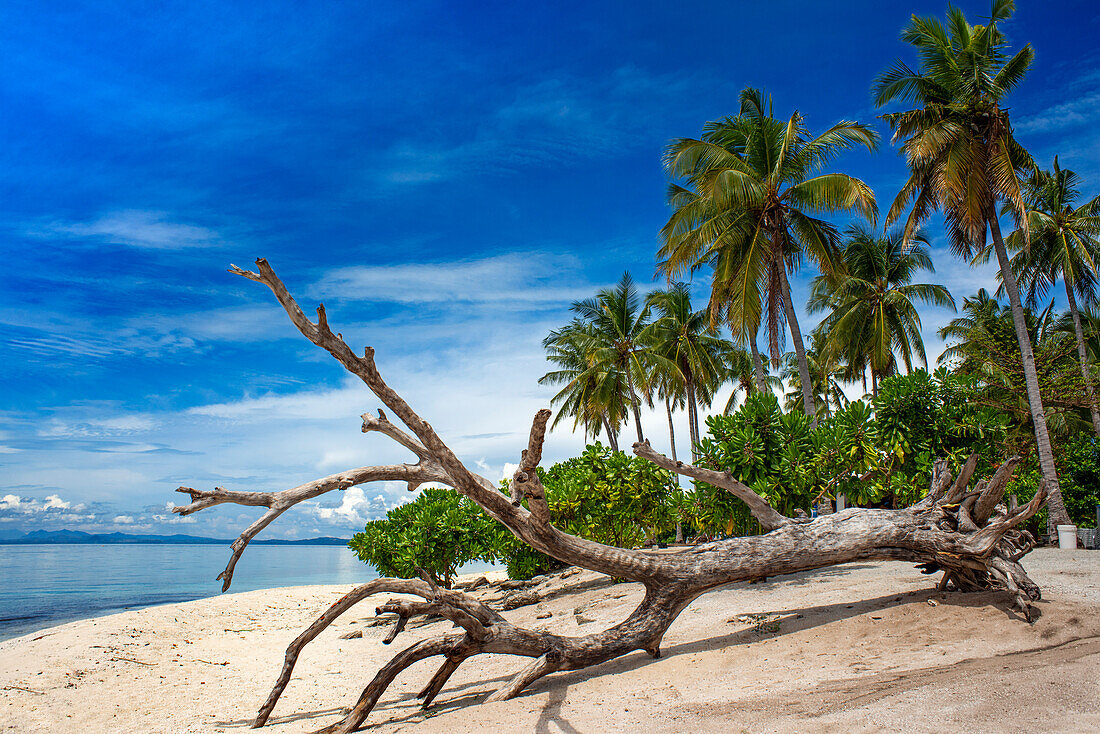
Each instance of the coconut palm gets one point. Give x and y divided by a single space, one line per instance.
741 372
750 187
668 385
964 160
593 395
827 371
872 318
983 345
618 321
1063 244
683 338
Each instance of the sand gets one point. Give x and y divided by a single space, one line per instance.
856 648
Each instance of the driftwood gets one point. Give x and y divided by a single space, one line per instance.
967 534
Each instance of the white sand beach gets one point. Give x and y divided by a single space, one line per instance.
857 648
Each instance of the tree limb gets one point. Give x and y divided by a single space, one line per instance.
768 517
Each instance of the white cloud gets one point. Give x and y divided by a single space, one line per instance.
53 502
354 509
108 427
174 519
15 503
133 228
123 520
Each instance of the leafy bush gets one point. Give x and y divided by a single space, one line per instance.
602 495
920 417
610 497
781 458
439 531
1080 480
1078 476
879 455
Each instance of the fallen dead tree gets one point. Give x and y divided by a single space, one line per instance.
966 533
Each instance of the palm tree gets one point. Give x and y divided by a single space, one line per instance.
872 319
682 337
741 371
669 387
592 395
826 374
1063 244
983 345
618 321
1090 328
963 160
750 187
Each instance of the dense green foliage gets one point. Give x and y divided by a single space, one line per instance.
920 417
602 495
877 453
1079 471
438 532
870 456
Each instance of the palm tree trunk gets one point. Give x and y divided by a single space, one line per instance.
693 412
672 441
799 349
634 404
1056 507
612 439
1083 357
757 366
874 383
671 430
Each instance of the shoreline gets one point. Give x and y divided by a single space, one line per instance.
861 647
53 584
301 588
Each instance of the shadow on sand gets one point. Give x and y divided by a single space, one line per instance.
460 695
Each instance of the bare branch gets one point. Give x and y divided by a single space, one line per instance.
619 562
994 491
965 475
768 517
382 424
469 606
279 502
536 669
525 481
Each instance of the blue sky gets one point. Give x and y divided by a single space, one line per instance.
447 177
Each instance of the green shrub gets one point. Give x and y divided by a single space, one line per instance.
439 531
612 498
601 495
920 417
1078 476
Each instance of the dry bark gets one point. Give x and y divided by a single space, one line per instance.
969 535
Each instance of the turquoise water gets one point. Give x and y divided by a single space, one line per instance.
44 585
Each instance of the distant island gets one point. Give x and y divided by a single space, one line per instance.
42 537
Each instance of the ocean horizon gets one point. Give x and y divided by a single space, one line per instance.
50 584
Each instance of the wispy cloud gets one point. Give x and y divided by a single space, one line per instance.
132 228
555 120
516 278
1080 111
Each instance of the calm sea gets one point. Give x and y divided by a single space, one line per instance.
44 585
